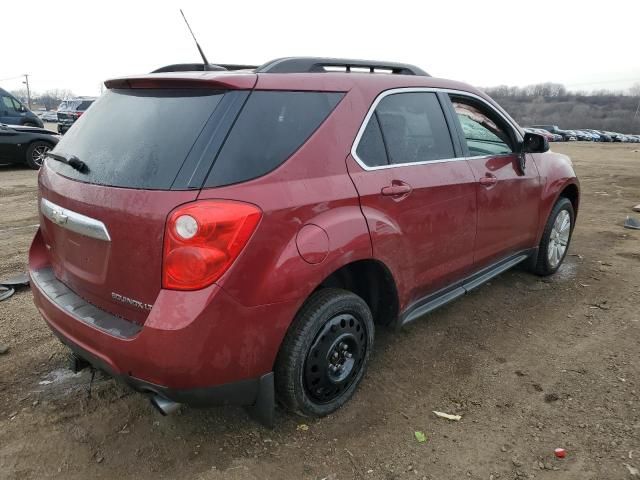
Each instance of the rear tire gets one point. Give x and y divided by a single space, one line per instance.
36 153
325 353
555 239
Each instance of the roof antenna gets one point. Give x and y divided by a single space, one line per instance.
204 59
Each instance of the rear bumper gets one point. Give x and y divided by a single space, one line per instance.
242 392
201 348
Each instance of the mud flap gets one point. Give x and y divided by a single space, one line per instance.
263 410
530 263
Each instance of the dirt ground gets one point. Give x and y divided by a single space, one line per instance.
531 364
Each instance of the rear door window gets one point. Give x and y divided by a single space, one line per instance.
137 138
414 128
270 128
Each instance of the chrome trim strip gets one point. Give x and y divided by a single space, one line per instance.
76 222
422 89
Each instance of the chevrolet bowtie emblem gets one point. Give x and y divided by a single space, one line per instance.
58 216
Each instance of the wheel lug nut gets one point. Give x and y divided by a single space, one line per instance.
348 355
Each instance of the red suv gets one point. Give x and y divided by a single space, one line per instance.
234 236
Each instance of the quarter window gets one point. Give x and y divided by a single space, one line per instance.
371 147
483 134
270 128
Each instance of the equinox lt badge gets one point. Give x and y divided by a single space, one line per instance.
131 301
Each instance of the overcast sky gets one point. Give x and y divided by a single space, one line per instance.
76 45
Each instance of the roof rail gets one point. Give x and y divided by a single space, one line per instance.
318 64
304 65
199 67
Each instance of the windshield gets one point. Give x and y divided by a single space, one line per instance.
136 138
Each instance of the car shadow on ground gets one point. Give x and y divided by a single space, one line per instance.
12 167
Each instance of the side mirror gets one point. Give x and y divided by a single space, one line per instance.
535 143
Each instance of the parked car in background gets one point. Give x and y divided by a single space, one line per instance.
552 137
71 110
583 136
28 145
596 136
50 116
603 135
14 112
182 250
554 129
548 135
617 137
570 135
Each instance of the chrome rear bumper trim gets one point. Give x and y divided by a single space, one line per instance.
76 222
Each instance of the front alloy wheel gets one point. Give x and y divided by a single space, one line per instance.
555 239
36 154
559 238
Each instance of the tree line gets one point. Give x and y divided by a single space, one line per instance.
49 99
553 104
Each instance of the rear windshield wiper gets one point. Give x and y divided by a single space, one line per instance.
72 161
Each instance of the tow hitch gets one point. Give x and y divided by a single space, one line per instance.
77 364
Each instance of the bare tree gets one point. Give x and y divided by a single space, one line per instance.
52 98
20 94
551 103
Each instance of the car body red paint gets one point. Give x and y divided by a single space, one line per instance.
321 211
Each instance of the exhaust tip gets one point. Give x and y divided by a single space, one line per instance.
164 406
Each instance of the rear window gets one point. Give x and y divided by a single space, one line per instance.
136 138
84 105
270 128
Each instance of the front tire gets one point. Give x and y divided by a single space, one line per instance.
36 153
325 353
555 238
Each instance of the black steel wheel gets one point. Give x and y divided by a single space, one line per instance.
335 357
325 352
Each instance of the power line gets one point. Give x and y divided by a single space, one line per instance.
11 78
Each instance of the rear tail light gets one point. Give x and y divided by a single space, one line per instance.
78 114
203 239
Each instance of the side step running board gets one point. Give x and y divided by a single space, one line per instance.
449 294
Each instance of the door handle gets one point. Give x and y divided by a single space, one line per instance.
396 189
488 181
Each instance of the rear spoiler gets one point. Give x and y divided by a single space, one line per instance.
213 80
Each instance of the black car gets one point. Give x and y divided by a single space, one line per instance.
616 137
566 135
29 145
70 110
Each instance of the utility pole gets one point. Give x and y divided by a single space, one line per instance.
26 82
